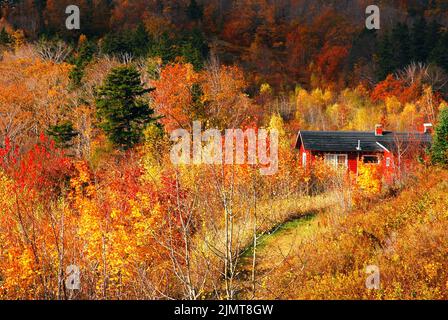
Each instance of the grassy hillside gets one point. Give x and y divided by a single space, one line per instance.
405 237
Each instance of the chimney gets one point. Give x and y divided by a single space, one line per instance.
379 130
428 128
358 148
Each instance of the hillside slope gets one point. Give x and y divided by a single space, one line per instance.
406 237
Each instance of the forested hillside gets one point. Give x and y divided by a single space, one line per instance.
93 206
283 42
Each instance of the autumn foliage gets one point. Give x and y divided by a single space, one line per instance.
405 236
88 189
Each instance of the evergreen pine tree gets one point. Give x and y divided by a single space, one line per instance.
432 37
5 38
85 55
140 41
195 11
194 48
385 57
419 51
439 152
439 55
165 48
400 41
122 112
135 42
363 46
62 134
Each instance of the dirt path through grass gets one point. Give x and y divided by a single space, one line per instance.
274 248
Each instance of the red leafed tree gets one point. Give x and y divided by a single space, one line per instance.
330 61
42 168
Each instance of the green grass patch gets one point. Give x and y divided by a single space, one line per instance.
303 226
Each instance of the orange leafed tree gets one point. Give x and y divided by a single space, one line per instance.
43 87
395 87
173 96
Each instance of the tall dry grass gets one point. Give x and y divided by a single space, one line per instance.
406 237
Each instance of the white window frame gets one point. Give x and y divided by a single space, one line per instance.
378 161
332 159
304 159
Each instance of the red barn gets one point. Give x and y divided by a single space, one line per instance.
347 148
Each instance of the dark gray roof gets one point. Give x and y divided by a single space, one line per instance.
346 141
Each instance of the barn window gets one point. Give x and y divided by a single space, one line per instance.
371 159
304 159
336 160
388 162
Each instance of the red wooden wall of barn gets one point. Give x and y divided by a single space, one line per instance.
312 156
353 162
